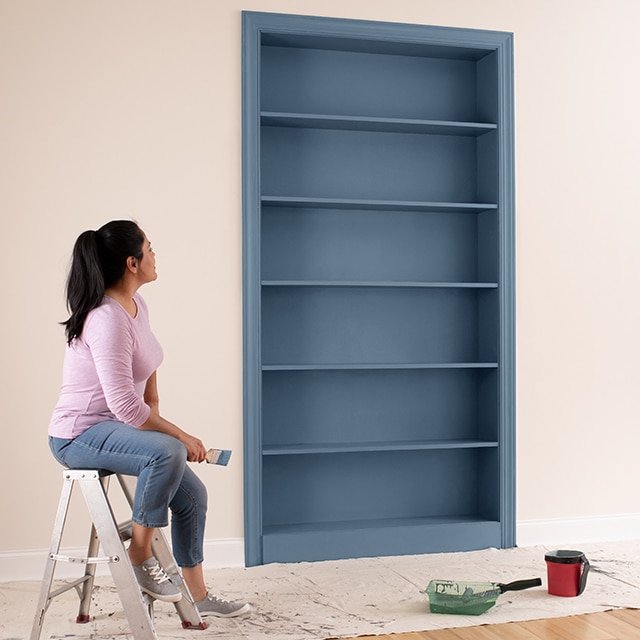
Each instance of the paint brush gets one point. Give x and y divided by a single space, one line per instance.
218 456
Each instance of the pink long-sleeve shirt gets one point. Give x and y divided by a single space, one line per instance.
106 370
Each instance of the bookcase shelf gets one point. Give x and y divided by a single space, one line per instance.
355 366
336 447
389 125
382 205
361 283
378 288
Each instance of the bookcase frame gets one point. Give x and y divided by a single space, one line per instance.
375 297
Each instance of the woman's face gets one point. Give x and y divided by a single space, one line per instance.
147 265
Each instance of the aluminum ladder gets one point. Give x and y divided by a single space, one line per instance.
108 534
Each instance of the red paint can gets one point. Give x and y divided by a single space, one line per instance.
566 572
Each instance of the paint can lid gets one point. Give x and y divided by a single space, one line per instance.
565 556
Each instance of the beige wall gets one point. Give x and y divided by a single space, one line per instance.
132 108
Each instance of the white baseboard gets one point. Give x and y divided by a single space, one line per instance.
563 531
29 565
229 552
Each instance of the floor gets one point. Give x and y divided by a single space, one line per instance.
379 597
619 624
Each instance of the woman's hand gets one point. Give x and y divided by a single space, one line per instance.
196 451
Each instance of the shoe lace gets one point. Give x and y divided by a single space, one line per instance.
158 575
227 604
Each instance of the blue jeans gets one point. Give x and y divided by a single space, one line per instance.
164 480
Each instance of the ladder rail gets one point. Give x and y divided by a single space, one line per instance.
90 570
58 527
186 607
121 569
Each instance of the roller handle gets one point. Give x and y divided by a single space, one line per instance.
519 585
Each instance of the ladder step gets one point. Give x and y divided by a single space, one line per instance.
83 559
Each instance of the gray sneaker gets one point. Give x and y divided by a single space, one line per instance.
213 606
154 581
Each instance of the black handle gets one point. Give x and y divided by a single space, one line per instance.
583 576
519 585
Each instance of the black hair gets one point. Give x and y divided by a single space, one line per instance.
98 261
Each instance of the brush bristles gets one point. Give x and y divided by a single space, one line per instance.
218 456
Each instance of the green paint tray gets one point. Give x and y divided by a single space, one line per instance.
470 598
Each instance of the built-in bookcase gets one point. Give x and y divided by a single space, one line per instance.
378 288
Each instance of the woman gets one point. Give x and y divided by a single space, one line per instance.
108 416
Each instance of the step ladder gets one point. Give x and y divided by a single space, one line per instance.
107 534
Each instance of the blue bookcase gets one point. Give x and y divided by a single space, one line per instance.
378 288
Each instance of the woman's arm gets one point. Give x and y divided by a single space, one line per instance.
111 341
151 397
196 450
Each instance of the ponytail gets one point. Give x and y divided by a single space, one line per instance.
85 284
98 261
